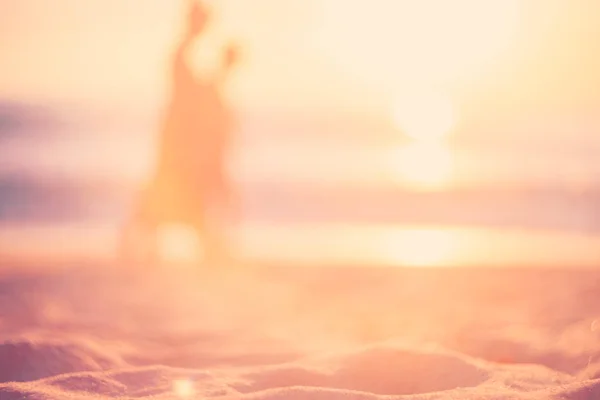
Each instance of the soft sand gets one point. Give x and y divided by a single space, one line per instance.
294 333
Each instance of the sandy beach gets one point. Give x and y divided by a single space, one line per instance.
108 332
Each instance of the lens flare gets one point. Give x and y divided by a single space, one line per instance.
184 388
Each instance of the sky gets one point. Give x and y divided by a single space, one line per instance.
527 67
113 49
494 58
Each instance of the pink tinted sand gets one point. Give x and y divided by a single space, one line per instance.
299 333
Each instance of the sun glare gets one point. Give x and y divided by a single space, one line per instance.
184 388
426 247
178 243
427 162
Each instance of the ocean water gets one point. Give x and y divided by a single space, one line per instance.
295 182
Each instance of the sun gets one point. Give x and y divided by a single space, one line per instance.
427 118
424 116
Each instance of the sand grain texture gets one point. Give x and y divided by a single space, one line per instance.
293 333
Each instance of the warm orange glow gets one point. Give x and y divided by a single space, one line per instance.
424 166
424 247
178 243
184 388
424 116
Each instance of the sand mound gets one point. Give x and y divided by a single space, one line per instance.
372 373
588 390
88 383
391 370
25 360
179 339
8 393
382 370
159 382
572 349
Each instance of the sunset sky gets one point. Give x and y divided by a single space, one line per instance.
426 68
510 56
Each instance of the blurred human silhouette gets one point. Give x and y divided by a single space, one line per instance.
190 184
